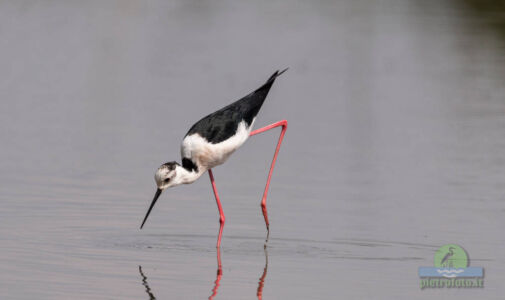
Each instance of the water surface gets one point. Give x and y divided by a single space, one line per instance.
395 147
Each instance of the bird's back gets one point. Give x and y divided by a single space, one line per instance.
223 123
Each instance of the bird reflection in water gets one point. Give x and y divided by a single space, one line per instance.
261 283
219 275
146 285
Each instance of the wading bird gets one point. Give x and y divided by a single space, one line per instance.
212 140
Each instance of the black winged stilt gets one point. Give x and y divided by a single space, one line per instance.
212 140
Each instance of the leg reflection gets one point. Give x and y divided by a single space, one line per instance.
218 275
146 285
261 283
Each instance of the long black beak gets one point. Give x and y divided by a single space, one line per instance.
158 193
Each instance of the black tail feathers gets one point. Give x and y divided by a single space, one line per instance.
276 74
270 80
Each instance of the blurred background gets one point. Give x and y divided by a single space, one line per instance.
395 147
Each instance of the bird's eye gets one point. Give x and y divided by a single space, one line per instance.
166 180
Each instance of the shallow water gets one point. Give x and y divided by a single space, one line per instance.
394 148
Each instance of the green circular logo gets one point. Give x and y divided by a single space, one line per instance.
451 256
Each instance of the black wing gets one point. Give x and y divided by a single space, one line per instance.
223 123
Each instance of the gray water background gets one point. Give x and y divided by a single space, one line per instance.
395 147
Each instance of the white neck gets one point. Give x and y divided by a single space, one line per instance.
185 177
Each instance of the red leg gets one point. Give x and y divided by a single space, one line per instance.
219 207
284 125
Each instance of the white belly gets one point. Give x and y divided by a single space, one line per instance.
209 155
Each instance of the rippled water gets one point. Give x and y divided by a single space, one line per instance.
395 147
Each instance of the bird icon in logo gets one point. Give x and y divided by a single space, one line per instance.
445 262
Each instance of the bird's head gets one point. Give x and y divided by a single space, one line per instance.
166 176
